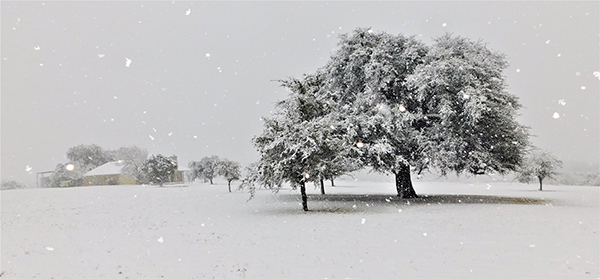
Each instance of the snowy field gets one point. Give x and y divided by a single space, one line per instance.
357 230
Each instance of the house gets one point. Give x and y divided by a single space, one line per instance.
111 173
108 174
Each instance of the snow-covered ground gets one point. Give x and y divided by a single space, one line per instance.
359 229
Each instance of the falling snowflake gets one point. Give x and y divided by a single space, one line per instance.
562 102
151 137
424 234
360 144
555 115
583 88
548 41
160 240
36 48
558 55
597 74
444 24
370 31
49 248
100 55
532 245
402 108
207 54
127 62
28 168
518 70
363 221
188 12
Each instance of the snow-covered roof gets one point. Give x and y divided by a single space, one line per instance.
107 169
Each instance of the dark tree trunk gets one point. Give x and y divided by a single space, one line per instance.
322 187
332 185
404 184
229 185
540 179
304 198
210 179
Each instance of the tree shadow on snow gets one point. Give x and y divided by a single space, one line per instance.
378 203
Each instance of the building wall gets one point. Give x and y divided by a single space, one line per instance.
110 179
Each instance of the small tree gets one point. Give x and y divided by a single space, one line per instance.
159 168
538 164
66 175
230 170
207 168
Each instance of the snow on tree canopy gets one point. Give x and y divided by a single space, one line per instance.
452 111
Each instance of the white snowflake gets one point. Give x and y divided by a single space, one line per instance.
555 115
188 12
127 62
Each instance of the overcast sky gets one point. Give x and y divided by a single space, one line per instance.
194 78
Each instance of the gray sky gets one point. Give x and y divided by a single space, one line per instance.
201 73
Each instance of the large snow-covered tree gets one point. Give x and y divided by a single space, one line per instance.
159 169
538 165
406 105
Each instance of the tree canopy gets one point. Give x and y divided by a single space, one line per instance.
158 168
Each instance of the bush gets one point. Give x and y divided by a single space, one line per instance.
11 184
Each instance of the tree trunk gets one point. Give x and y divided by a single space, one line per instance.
210 179
304 198
322 187
404 184
332 185
540 178
229 185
